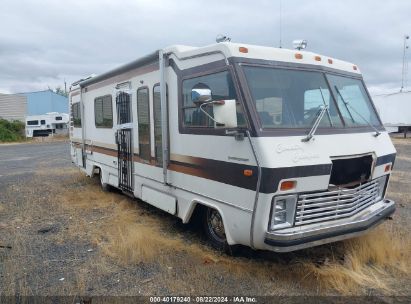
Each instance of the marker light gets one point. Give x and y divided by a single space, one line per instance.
330 61
248 172
243 49
387 168
288 185
298 56
355 68
317 58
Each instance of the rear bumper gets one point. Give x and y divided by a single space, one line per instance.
303 237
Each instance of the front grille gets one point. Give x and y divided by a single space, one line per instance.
341 203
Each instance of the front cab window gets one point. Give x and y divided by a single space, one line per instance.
211 101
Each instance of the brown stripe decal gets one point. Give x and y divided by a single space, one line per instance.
230 173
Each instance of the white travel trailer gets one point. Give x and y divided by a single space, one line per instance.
272 148
46 124
395 111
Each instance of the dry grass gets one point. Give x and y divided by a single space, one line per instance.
132 235
128 235
371 261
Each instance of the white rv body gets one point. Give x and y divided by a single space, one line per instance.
45 124
237 171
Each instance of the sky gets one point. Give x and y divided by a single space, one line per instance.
44 43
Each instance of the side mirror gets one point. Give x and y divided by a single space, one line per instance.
225 113
200 93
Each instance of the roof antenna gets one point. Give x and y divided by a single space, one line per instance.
281 25
404 64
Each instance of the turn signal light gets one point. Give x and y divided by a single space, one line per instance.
248 172
387 168
243 49
288 185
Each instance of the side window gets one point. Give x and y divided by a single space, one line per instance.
32 122
123 103
143 117
43 122
103 112
157 123
222 88
76 113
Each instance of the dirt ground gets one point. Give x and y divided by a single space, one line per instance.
60 234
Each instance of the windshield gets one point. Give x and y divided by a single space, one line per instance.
287 98
353 101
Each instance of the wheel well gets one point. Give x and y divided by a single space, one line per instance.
96 171
197 212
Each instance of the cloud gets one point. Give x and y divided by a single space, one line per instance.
44 43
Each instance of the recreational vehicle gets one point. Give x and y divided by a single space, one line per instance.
46 124
270 148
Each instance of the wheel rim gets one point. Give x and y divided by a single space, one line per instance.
215 225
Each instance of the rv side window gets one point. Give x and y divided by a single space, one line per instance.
158 141
222 88
143 117
103 112
43 122
59 118
75 111
32 122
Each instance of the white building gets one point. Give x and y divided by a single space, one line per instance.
13 106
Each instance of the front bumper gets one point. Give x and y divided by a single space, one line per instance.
313 235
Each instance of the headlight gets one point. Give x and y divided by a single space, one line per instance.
382 181
282 212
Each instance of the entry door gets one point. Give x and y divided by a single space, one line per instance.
124 139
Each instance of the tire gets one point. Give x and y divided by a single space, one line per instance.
105 187
213 227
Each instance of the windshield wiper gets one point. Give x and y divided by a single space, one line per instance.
316 124
328 111
347 104
318 120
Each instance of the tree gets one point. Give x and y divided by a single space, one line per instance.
61 92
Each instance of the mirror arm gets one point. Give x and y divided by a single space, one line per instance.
238 135
208 115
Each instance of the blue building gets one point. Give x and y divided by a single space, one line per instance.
43 102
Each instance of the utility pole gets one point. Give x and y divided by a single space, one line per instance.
65 87
404 64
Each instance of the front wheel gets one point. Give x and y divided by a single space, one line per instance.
214 229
